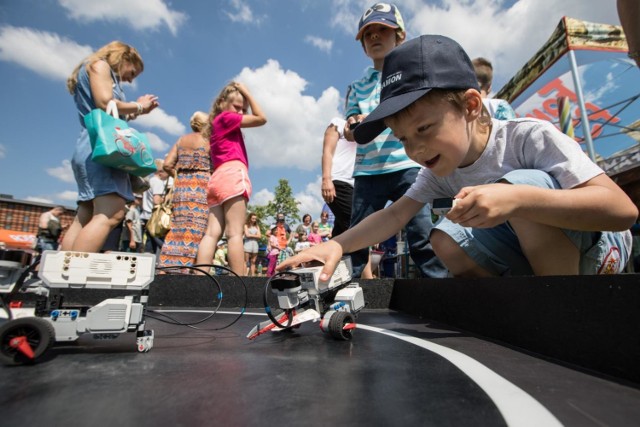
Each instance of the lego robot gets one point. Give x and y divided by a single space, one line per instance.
302 297
31 329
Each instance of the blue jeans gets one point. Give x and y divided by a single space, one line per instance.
46 245
498 250
371 194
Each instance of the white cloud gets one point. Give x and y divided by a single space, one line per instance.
310 199
70 196
137 15
62 198
44 53
507 37
322 44
262 197
606 87
159 147
242 13
346 14
63 172
159 119
38 199
3 151
292 137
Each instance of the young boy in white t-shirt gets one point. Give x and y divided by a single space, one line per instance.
527 199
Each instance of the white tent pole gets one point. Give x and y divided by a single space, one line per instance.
586 128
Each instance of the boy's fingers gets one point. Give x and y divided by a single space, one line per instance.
289 262
327 270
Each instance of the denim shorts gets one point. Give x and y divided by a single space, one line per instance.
95 180
498 250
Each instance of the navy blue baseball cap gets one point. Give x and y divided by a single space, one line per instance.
380 13
410 71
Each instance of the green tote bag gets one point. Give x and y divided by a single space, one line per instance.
116 145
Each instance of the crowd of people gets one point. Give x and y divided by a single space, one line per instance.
418 125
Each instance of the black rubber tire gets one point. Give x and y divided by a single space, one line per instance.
40 335
336 324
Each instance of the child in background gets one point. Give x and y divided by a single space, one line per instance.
220 258
498 108
273 248
131 237
324 228
314 237
252 236
229 187
302 242
383 172
528 201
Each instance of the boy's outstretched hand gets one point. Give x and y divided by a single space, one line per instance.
328 253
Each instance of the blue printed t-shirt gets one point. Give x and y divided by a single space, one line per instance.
384 154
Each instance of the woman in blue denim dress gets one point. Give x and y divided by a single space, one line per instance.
102 191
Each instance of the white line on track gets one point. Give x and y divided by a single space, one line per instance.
518 408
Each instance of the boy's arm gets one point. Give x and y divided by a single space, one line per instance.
596 205
353 113
375 228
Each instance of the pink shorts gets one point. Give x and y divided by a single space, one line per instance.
229 180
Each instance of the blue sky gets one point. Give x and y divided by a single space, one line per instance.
296 56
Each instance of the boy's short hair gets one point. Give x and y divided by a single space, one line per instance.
484 72
386 14
412 70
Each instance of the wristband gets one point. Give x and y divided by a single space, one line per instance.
139 106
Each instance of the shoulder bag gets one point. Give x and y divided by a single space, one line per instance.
115 144
159 223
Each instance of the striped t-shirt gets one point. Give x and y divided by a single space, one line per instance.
384 154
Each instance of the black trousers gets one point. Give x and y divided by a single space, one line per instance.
341 207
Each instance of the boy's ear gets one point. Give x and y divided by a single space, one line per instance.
401 36
473 101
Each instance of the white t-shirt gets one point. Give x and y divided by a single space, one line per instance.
301 246
156 188
514 144
345 156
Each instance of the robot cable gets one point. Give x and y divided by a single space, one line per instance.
162 317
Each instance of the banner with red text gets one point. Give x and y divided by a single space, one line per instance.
610 84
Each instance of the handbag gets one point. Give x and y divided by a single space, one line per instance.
116 145
159 223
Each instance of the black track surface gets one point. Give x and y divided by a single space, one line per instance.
304 377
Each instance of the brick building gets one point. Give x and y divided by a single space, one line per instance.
22 216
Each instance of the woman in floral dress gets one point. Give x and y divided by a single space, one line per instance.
189 159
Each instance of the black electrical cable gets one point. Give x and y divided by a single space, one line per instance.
267 308
174 321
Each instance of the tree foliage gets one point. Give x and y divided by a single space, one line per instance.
283 202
